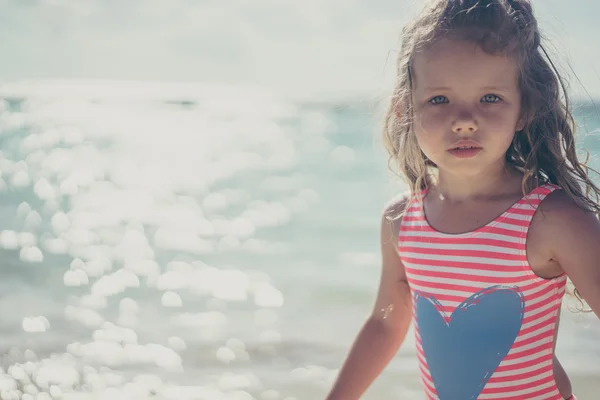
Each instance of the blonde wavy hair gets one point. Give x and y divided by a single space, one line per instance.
544 150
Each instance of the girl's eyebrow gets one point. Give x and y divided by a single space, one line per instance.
436 88
498 88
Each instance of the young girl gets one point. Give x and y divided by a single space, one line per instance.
500 211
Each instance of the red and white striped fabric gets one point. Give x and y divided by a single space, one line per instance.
465 346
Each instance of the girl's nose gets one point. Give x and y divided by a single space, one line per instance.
465 123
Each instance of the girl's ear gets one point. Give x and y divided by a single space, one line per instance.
521 123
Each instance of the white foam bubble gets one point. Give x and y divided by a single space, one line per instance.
270 395
87 317
165 357
111 332
242 227
35 324
94 302
33 220
229 243
171 300
176 343
129 306
171 280
9 239
60 372
75 278
7 383
44 190
266 295
17 372
55 392
215 202
143 267
31 254
182 240
27 239
225 355
230 285
110 285
60 222
229 382
202 319
235 345
97 266
20 179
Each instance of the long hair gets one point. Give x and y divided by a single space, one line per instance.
544 150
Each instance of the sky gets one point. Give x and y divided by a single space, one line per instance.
312 46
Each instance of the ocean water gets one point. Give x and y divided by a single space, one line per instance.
199 242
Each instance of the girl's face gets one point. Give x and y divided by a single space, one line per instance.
467 106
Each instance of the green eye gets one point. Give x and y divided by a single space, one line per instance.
490 98
439 100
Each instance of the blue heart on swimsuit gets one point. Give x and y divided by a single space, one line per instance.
463 351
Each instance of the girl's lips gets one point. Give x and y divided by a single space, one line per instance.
465 152
465 143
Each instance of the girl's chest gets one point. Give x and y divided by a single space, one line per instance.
470 217
462 218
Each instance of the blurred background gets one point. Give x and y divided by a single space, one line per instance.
190 194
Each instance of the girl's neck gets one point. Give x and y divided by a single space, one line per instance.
485 184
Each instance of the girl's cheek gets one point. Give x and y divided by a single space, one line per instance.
430 122
428 141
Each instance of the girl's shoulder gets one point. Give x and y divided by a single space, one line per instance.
558 210
395 207
391 219
558 203
393 211
570 235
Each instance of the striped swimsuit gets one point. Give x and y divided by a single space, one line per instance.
484 322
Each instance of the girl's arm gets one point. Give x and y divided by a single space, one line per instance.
574 242
384 330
